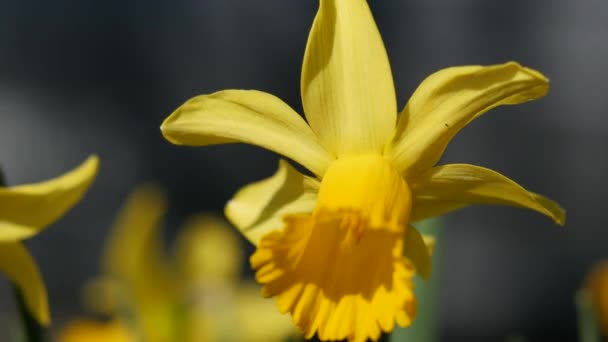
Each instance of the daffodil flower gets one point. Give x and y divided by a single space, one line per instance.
136 269
330 247
596 290
192 295
222 308
27 209
136 289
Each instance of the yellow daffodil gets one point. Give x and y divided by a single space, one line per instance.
96 331
27 209
330 247
194 295
597 290
136 287
208 255
136 269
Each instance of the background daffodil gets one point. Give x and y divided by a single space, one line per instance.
135 269
330 247
96 331
220 307
596 292
192 294
27 209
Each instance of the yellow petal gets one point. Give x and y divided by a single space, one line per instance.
416 250
94 331
19 266
259 208
347 87
27 209
207 249
447 187
423 208
349 293
246 116
430 242
135 256
135 228
451 98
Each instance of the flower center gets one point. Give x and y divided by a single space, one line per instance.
365 192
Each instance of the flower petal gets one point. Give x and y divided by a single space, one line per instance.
208 249
246 116
423 208
135 257
448 187
27 209
451 98
135 243
19 266
96 331
259 207
416 250
347 86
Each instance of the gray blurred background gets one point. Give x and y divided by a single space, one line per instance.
80 77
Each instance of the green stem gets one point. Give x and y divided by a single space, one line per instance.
34 332
588 330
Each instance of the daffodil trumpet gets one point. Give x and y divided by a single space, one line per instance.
337 250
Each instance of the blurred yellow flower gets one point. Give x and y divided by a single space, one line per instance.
27 209
597 287
96 331
192 296
208 256
330 248
135 267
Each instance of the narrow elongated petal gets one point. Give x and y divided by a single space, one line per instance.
134 255
19 266
416 250
259 207
448 187
27 209
135 240
347 86
246 116
423 208
451 98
